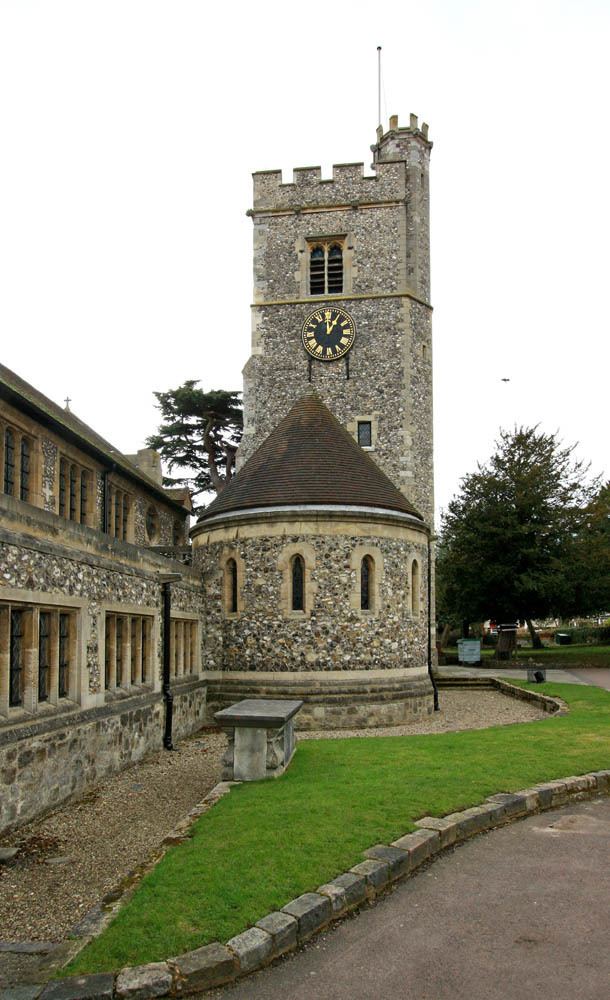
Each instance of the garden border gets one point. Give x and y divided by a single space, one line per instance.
285 930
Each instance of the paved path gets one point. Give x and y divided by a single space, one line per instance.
599 676
520 912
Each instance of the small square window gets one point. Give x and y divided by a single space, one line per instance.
365 437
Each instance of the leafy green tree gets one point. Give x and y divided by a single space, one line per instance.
198 436
590 559
509 538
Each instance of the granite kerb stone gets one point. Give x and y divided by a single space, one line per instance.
345 892
140 982
399 861
376 873
421 845
253 949
203 968
282 929
312 912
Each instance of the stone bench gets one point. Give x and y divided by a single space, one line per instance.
261 738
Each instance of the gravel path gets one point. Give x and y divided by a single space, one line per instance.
459 709
70 859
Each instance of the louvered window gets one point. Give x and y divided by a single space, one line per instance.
326 268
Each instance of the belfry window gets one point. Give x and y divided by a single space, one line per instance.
298 580
366 584
326 268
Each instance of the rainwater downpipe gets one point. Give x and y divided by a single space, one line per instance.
431 538
166 580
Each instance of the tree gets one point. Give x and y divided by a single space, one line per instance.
198 436
590 559
510 537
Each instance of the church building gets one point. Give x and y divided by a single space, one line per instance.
316 557
309 576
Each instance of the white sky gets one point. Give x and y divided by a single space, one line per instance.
128 133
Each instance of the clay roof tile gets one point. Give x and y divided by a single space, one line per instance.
309 459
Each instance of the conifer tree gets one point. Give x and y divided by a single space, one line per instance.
198 436
514 536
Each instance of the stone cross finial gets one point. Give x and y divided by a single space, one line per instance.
67 401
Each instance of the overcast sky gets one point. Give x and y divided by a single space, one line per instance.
128 134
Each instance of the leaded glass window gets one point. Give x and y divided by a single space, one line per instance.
73 493
63 485
9 462
119 653
64 656
298 581
232 572
366 584
84 497
415 588
365 439
24 480
124 518
16 655
44 655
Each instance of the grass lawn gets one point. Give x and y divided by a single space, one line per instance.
270 841
553 656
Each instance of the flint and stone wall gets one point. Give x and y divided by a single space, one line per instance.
333 652
58 750
384 220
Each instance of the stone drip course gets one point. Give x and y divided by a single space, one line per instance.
296 923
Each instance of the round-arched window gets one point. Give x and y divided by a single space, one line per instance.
152 524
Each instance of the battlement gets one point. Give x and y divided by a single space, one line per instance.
348 186
412 129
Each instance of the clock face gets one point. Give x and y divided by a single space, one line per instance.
328 333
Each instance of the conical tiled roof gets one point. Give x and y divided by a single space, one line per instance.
309 459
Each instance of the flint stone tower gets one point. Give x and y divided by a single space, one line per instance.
316 556
381 224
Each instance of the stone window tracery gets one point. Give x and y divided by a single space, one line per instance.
127 651
184 646
367 568
297 562
18 463
74 491
37 656
120 511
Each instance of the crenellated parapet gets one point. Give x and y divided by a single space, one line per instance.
348 186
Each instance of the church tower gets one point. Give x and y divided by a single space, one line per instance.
316 557
342 302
